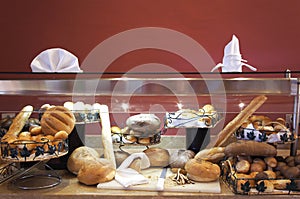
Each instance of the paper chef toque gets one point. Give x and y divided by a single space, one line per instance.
55 60
232 59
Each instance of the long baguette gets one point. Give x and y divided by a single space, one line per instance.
233 125
17 124
106 135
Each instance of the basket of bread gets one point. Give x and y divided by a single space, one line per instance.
251 163
35 139
206 117
255 168
141 129
263 129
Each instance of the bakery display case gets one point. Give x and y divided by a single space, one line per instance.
176 99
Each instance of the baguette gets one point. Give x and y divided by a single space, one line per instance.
233 125
106 136
17 125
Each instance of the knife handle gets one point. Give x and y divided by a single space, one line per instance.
160 184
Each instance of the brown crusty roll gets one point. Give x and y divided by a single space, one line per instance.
233 125
251 148
56 119
242 166
202 171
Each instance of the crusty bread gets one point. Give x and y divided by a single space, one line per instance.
79 157
96 171
158 157
57 118
202 171
17 125
250 148
233 125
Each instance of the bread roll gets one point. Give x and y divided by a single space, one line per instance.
95 171
256 167
61 135
242 166
35 130
56 119
202 171
271 161
158 157
251 148
79 157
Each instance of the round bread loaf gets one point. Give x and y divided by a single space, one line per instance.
57 118
146 124
79 157
96 171
158 157
202 171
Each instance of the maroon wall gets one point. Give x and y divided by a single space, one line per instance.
268 29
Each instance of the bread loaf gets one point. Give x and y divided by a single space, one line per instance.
158 157
57 118
202 171
96 171
250 148
79 157
233 125
89 168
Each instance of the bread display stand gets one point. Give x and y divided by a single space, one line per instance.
197 125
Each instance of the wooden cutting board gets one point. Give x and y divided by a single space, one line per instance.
153 175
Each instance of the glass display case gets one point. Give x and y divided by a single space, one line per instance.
127 94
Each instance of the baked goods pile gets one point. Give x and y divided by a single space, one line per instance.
38 140
251 164
255 167
205 117
141 129
262 129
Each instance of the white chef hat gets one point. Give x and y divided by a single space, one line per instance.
232 59
55 60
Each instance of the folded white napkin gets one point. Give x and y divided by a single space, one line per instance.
129 177
55 60
232 59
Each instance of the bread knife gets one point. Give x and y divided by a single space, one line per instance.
161 180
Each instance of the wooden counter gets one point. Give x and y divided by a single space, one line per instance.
70 188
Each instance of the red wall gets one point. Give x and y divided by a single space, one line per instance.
268 29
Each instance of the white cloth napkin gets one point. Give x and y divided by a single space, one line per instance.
232 59
129 177
55 60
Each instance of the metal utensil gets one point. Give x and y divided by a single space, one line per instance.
161 179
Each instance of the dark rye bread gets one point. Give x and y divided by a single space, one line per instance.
57 118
